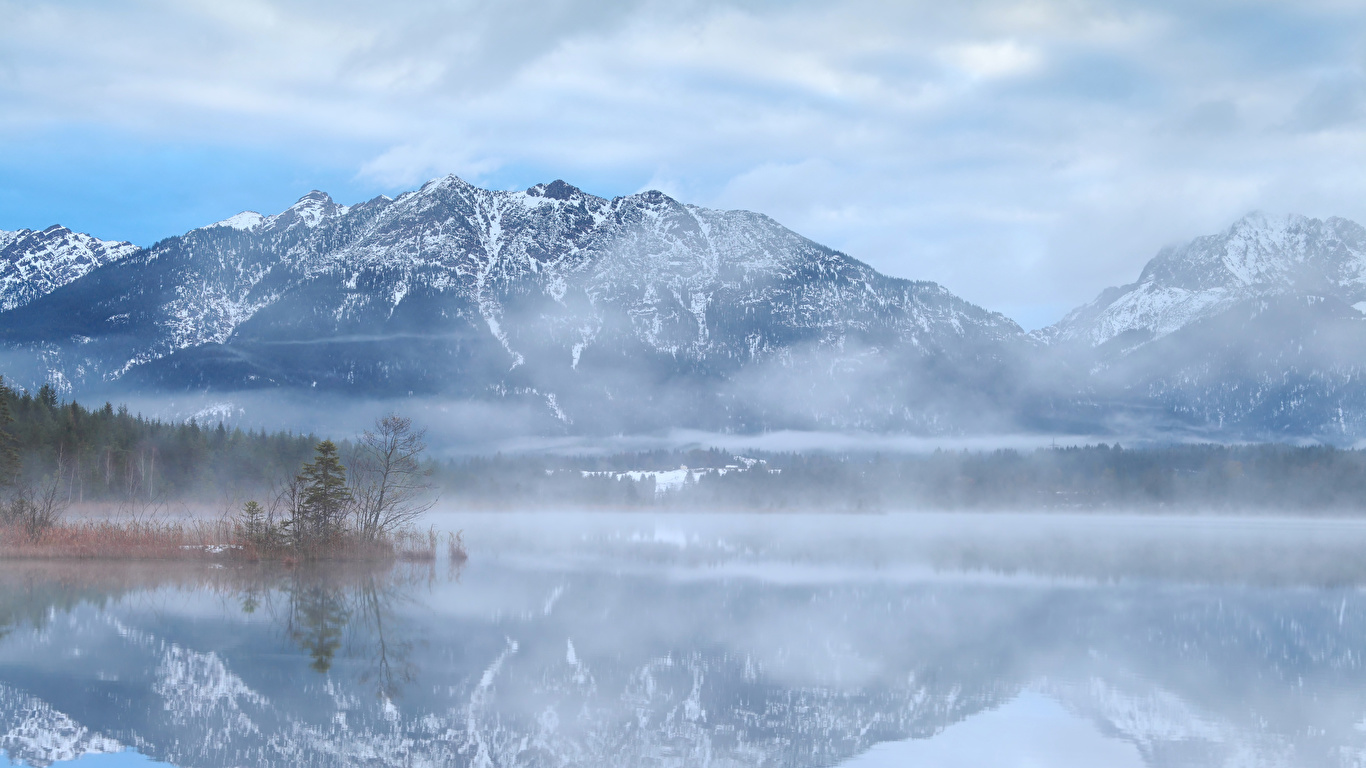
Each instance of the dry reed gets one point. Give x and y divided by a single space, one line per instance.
104 539
198 540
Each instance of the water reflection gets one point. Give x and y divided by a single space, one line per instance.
617 654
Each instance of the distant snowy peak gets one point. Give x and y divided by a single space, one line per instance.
33 264
310 211
246 221
1259 256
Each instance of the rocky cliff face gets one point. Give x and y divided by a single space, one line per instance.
33 264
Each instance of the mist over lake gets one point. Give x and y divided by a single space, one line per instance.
714 640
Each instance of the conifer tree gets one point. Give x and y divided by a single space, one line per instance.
326 499
47 396
254 526
9 445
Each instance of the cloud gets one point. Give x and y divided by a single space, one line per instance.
1025 153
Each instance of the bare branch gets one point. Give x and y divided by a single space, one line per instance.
390 486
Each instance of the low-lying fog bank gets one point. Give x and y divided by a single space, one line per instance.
915 546
114 461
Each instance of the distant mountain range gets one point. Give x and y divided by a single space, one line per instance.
641 313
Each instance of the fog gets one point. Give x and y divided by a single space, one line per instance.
745 640
926 546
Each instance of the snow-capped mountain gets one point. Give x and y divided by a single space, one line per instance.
1258 258
640 306
33 264
1257 332
640 312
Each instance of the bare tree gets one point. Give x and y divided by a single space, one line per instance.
390 485
284 506
36 507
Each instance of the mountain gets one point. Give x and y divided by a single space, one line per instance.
33 264
1256 332
618 314
1256 259
557 311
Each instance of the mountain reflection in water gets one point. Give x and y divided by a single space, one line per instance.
715 640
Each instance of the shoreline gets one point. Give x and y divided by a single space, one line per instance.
218 541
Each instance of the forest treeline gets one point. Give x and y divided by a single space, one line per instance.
106 454
1265 477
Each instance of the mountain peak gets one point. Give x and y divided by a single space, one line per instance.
311 209
448 181
1258 256
245 221
654 197
314 196
555 190
33 264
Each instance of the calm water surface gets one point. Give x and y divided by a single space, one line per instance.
756 640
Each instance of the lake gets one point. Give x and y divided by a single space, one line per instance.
714 640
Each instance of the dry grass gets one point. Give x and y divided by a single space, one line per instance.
415 546
196 540
455 546
105 539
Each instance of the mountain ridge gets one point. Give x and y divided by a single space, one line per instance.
1259 255
34 263
643 312
548 293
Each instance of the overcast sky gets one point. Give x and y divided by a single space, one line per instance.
1023 154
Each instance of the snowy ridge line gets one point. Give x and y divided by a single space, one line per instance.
550 272
33 264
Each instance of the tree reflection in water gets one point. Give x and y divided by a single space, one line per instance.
1240 647
316 618
351 611
326 610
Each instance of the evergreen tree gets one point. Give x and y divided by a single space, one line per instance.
47 396
255 529
9 445
326 499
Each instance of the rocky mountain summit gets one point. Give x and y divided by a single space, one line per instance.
33 264
1259 258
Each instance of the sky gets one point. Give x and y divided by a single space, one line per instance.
1025 155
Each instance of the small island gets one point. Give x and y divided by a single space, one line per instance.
80 483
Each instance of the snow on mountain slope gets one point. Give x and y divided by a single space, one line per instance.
1258 256
1254 332
535 291
33 264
